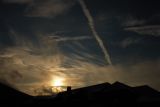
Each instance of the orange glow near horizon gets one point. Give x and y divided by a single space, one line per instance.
58 84
57 89
58 81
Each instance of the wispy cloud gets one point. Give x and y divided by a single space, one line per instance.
18 1
49 8
153 30
34 70
63 39
28 62
141 26
129 41
131 21
44 8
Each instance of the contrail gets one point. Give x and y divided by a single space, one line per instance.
95 34
60 39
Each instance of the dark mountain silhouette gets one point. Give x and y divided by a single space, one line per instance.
94 96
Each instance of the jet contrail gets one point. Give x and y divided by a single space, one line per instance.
95 34
60 39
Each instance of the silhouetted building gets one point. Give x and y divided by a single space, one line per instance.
95 96
69 88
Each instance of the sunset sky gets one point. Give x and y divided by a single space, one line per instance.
42 41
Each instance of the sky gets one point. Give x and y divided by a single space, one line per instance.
81 42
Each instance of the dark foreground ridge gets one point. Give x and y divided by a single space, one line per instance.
93 96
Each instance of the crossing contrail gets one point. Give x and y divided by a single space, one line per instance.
95 34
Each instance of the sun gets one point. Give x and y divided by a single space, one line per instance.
58 82
58 85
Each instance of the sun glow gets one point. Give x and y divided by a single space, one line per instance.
58 89
58 85
58 82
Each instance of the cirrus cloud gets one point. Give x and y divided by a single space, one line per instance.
18 1
44 8
49 8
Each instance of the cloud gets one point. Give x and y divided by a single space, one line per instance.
29 72
18 1
141 26
145 72
129 41
63 39
34 65
45 8
153 30
131 21
37 63
85 74
27 62
49 8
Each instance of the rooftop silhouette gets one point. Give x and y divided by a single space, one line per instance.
96 95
